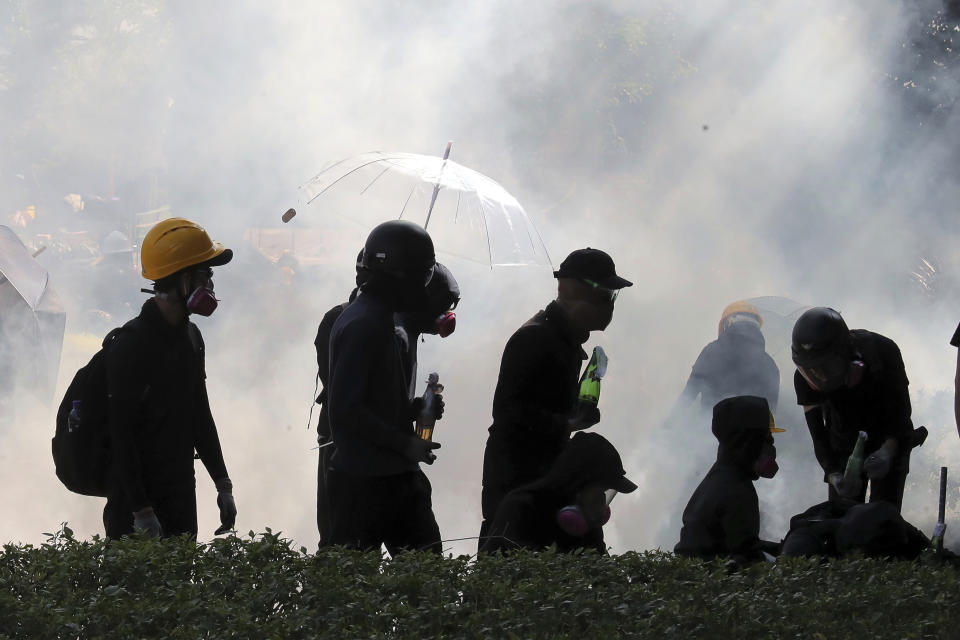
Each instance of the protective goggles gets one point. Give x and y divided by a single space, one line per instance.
609 295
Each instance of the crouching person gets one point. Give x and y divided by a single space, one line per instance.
567 507
723 515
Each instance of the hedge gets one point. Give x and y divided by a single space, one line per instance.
260 587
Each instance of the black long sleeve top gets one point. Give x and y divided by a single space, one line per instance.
158 409
370 415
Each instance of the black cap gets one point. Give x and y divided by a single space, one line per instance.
741 417
596 452
592 264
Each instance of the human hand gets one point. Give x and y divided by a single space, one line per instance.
418 450
877 464
845 488
146 520
585 416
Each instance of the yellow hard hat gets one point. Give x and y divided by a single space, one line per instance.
177 243
740 306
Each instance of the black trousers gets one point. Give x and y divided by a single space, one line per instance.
176 510
394 510
323 502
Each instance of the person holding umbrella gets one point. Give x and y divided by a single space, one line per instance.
535 405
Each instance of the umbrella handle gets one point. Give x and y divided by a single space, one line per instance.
436 187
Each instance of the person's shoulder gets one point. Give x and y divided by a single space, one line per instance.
360 318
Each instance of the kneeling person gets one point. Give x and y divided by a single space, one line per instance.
567 507
723 515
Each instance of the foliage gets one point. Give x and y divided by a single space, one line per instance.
259 587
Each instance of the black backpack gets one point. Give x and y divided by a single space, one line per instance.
81 444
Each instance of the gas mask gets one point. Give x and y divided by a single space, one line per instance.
766 465
446 324
572 521
202 302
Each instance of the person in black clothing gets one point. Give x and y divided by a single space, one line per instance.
376 490
568 506
535 407
438 318
847 382
735 364
723 515
324 440
158 411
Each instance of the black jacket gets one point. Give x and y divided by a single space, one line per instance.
879 405
735 364
536 392
322 344
723 514
370 414
158 408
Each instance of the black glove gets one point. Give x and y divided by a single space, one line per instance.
418 450
584 416
438 406
877 464
146 520
844 488
227 506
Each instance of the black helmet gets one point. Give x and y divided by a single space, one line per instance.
821 347
399 248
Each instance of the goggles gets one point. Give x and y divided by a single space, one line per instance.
608 295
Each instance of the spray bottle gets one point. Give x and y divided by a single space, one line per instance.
426 419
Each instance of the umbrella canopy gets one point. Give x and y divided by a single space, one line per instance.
32 319
467 214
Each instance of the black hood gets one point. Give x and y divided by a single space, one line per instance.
742 426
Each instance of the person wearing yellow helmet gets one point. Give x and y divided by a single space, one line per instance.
734 364
158 410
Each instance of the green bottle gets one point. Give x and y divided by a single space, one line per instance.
590 383
854 468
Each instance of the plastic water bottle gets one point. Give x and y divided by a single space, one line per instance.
426 419
73 418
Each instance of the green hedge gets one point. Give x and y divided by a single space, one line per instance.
259 587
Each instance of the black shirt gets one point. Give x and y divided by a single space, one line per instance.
878 405
536 392
368 392
158 408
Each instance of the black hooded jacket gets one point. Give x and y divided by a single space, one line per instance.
158 409
723 514
527 516
735 364
879 405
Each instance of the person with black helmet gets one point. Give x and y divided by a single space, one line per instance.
437 318
376 490
568 506
722 517
158 411
848 382
535 405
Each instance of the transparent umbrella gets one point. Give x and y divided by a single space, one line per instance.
32 320
468 214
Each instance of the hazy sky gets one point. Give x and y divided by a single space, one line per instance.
734 150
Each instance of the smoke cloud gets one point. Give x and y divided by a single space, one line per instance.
734 150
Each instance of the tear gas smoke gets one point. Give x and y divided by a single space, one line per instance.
727 151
